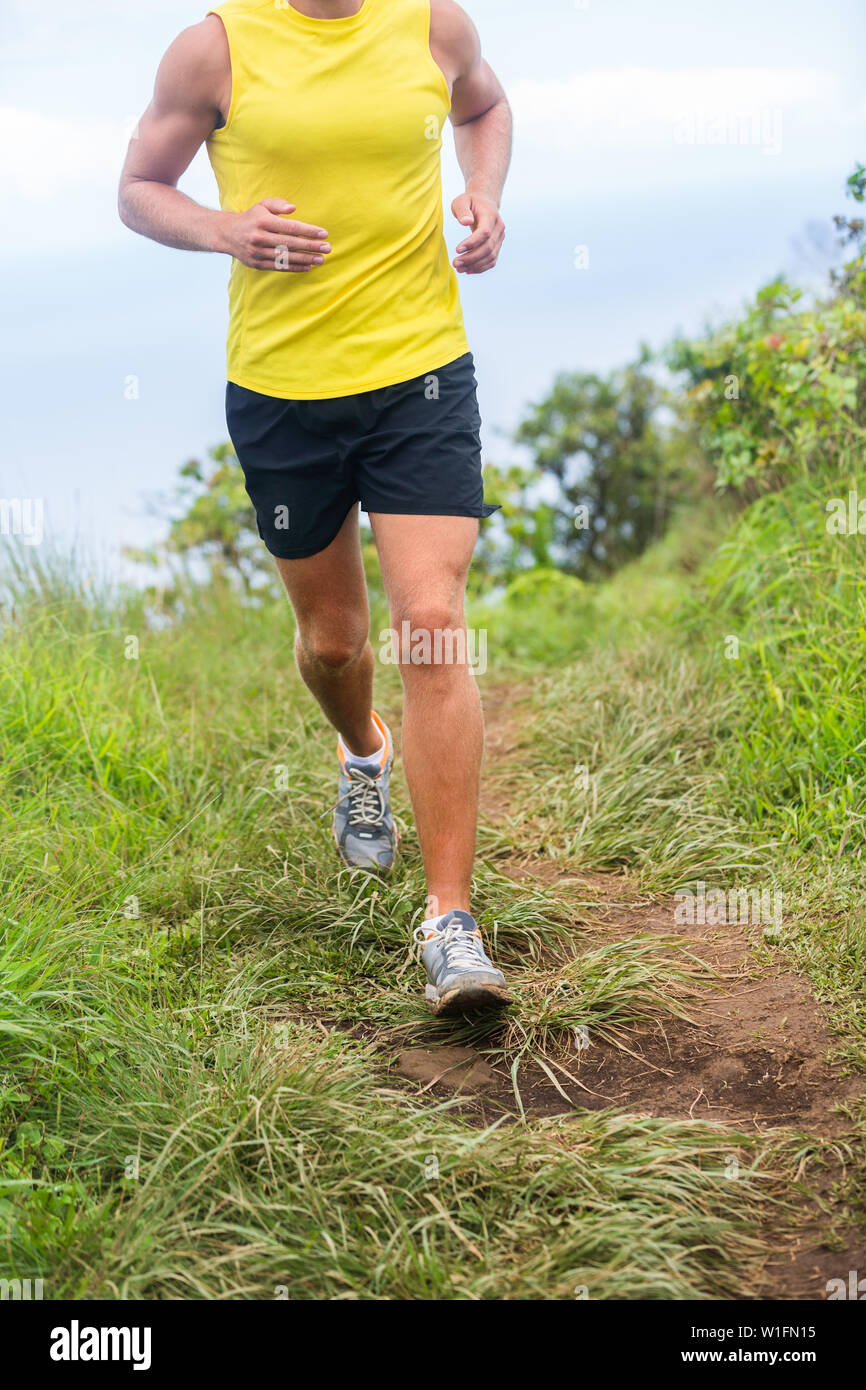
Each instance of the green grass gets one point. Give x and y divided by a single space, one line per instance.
256 1162
198 1006
545 618
174 1120
728 742
618 769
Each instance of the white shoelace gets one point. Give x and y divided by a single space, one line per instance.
459 946
366 802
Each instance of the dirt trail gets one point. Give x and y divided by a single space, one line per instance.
753 1058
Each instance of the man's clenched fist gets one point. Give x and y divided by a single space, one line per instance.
480 251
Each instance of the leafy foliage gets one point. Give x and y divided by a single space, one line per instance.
783 389
619 465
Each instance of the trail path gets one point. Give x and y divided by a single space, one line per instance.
753 1058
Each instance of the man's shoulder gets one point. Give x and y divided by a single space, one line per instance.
198 52
451 26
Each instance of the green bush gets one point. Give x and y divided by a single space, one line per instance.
782 390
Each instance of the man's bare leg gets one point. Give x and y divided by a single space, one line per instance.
424 562
328 593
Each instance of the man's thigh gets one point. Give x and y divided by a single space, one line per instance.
329 589
425 563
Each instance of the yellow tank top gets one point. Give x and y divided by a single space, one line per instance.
344 118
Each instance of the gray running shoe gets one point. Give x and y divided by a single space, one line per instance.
460 977
364 830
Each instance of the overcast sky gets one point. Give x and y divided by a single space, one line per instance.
669 157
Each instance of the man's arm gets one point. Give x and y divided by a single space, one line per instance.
193 89
481 118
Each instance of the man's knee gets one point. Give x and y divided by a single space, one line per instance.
331 647
430 636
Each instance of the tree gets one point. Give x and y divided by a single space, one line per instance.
619 468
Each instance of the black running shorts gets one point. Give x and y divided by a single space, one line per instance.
410 448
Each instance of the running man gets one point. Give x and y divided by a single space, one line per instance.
350 378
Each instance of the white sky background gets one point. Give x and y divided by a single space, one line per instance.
620 109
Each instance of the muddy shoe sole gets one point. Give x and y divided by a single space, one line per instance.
468 999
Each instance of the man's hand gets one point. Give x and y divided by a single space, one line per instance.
264 239
480 251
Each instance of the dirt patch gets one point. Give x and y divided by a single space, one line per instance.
735 1066
754 1056
678 1071
456 1068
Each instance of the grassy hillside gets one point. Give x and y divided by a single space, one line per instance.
200 1008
